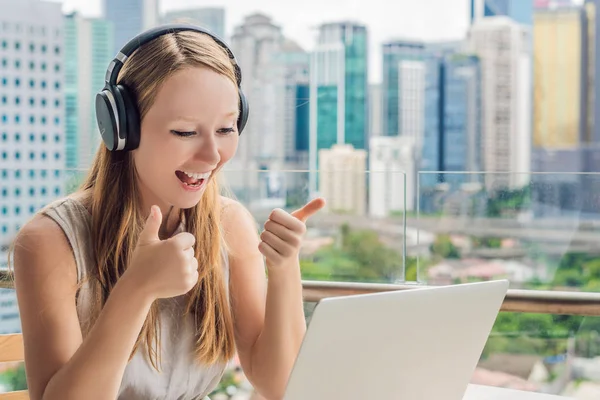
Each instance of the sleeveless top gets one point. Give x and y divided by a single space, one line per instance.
179 376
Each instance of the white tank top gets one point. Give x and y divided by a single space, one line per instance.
180 377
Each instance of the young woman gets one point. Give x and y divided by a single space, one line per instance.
145 282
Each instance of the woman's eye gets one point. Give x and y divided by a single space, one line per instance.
183 134
226 131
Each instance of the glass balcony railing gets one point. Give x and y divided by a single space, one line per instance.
390 230
540 231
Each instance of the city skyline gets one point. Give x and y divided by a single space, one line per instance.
384 21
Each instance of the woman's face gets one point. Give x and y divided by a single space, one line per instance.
189 132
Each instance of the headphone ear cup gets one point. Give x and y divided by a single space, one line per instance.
122 119
106 110
244 111
132 125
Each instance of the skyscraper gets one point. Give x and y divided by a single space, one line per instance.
558 106
462 117
295 63
129 18
400 57
88 44
338 90
32 109
375 110
503 46
453 128
520 11
211 18
591 71
257 44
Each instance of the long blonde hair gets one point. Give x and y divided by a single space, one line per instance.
117 219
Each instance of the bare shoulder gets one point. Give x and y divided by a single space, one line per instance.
41 246
239 227
45 276
234 214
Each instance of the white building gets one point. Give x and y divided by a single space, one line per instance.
32 112
392 175
129 18
505 51
342 179
411 93
375 110
257 44
211 18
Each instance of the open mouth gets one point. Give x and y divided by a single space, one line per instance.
192 179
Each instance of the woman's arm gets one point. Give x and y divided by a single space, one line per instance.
269 315
59 364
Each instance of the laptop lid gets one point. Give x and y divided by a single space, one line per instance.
422 343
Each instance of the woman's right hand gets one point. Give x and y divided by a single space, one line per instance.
162 268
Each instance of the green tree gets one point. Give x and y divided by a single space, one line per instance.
410 267
444 248
14 378
356 256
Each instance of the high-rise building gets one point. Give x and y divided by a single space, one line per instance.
399 57
211 18
129 18
452 146
558 103
88 44
375 110
503 46
461 117
520 11
591 72
338 90
259 46
342 179
32 111
411 99
294 62
392 175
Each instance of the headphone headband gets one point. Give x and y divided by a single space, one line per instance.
141 39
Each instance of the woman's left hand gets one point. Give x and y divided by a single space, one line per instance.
282 237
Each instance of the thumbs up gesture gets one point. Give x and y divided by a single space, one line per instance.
163 268
282 237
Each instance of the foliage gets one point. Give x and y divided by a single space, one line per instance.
357 256
14 379
444 248
487 242
507 201
546 334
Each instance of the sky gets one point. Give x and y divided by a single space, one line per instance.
386 19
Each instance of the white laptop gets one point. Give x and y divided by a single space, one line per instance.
418 344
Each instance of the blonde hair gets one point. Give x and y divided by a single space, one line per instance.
117 219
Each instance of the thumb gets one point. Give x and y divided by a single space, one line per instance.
150 232
309 209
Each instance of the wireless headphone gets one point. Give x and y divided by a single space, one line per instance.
116 110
